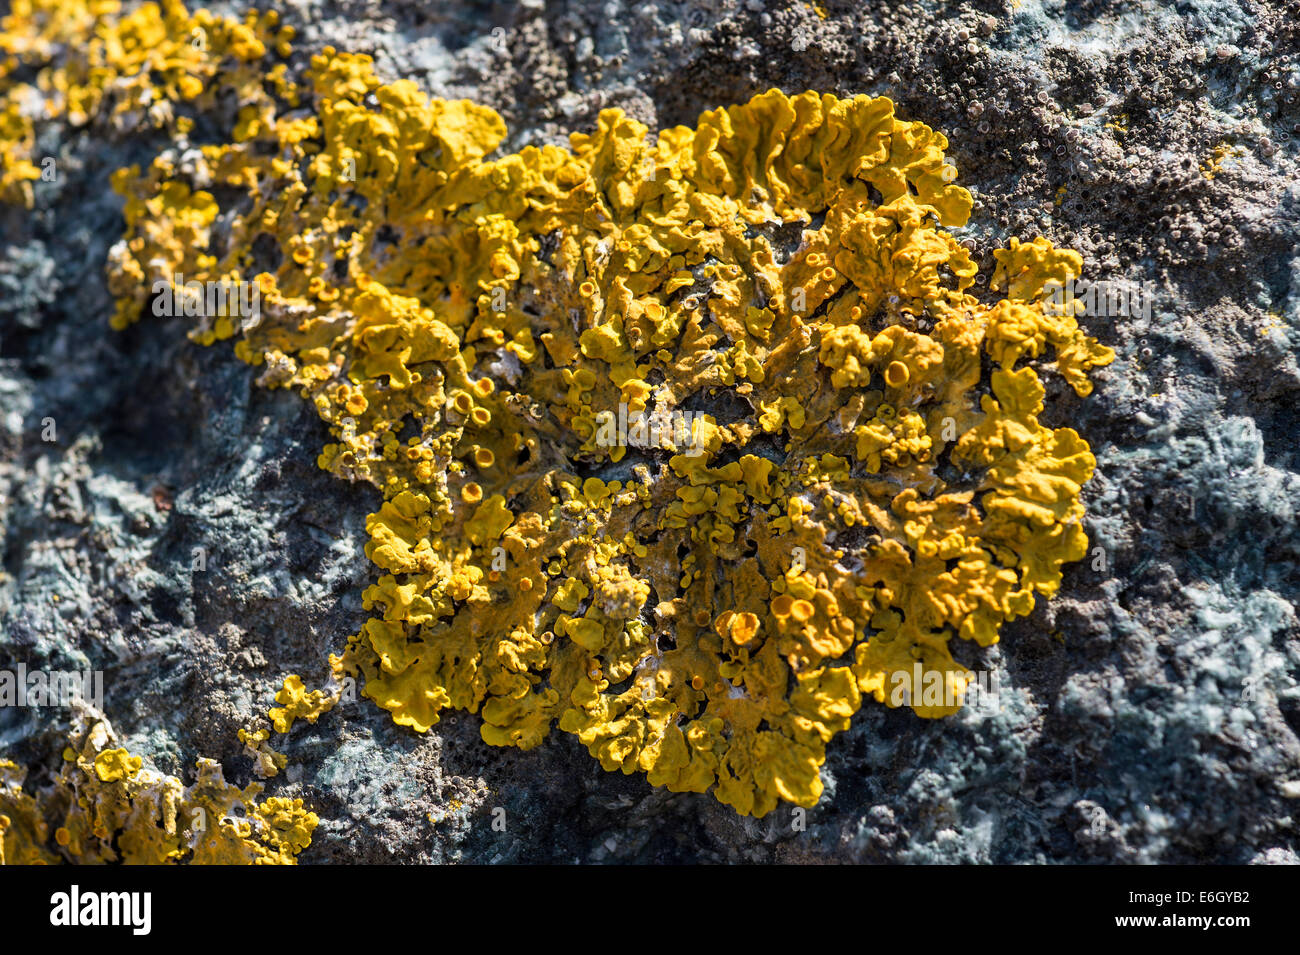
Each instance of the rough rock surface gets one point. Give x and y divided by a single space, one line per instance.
1149 713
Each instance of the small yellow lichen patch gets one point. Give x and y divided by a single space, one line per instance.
266 761
297 702
114 765
1214 164
104 806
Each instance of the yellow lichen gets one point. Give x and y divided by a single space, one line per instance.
266 761
296 702
768 308
104 805
146 67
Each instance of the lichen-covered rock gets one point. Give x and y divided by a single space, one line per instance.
103 806
405 315
1145 713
